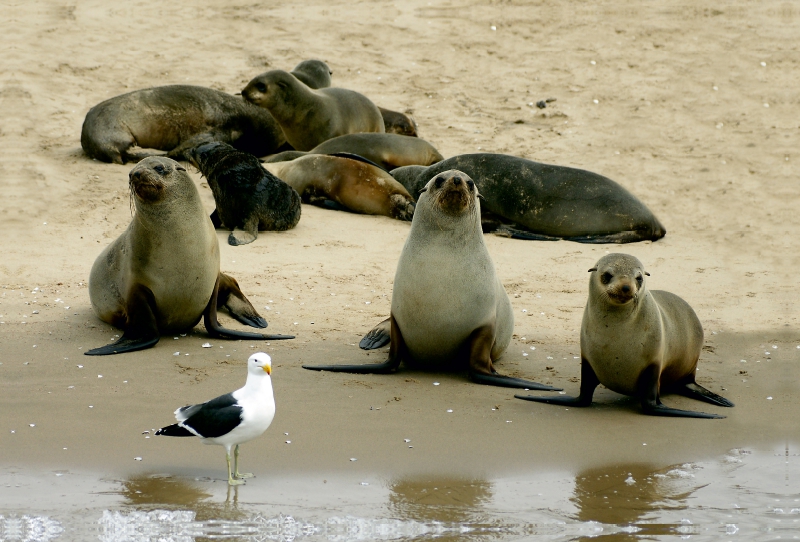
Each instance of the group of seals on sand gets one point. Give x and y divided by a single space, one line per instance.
448 304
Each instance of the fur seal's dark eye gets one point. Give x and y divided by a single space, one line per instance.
261 87
639 280
439 182
471 185
159 169
606 277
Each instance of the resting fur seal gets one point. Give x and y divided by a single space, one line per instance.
354 184
162 274
545 202
248 197
169 118
637 342
316 74
387 150
307 116
447 303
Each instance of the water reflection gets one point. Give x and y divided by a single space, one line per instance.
152 491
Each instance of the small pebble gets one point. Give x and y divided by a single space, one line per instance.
206 345
176 354
448 410
436 383
288 442
768 399
406 440
137 458
353 459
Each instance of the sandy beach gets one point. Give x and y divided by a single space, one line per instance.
691 107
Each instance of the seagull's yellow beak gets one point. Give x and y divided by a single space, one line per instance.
268 369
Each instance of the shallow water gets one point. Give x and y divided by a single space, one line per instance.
743 495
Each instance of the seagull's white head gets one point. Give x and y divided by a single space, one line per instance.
259 363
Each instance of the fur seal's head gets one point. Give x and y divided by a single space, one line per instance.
270 88
617 279
453 193
157 178
314 73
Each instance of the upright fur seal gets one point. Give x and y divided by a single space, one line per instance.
307 116
637 342
162 274
538 201
353 184
248 197
169 118
447 303
387 150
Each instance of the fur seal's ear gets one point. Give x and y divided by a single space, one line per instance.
646 273
421 191
180 168
592 269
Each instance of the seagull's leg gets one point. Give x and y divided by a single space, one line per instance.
236 474
231 480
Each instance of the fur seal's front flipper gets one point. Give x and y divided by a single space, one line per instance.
226 292
513 233
481 370
589 383
630 236
696 391
245 235
651 403
396 350
378 336
141 330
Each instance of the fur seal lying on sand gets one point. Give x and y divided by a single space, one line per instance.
307 116
169 118
447 303
546 202
351 183
162 274
248 197
387 150
316 74
637 342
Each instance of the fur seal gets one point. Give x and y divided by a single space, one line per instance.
637 342
248 197
308 116
387 150
448 302
316 74
169 118
351 183
530 200
162 274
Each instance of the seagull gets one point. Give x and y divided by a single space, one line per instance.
231 419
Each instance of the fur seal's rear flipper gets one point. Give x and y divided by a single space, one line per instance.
651 403
696 391
513 233
589 383
378 336
226 292
396 351
631 236
141 330
481 370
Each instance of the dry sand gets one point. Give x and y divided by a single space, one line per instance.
691 107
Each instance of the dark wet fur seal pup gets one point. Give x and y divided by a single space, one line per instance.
529 200
170 118
162 274
316 74
389 151
345 182
637 342
249 198
308 116
448 304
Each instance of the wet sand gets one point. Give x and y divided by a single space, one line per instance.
689 107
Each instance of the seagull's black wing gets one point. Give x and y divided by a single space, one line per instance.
215 418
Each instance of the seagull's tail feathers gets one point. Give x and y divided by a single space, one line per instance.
175 430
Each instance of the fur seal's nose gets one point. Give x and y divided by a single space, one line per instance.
626 289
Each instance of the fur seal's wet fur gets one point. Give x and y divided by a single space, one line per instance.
529 200
308 116
171 118
248 197
448 304
162 274
637 342
349 182
389 151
